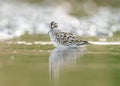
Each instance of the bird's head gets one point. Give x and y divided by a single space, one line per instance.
53 25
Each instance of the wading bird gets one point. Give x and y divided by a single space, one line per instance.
64 39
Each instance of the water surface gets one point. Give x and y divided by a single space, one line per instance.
84 66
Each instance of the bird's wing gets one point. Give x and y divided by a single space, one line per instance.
70 39
67 38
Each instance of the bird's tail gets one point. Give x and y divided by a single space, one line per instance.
83 43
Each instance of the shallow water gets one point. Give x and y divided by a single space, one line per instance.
84 66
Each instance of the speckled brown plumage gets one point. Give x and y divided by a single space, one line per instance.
59 38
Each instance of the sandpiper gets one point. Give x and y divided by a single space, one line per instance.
64 39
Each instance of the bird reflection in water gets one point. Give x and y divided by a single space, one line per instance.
62 58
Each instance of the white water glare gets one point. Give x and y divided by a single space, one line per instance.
18 18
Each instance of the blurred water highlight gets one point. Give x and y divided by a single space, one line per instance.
18 18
